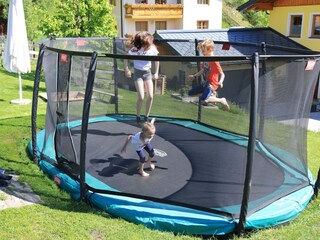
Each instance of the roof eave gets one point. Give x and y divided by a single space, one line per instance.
247 5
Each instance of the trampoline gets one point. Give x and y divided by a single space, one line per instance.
199 185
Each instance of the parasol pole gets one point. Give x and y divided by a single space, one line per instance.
20 87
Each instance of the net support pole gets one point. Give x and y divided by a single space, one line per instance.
85 120
198 69
115 78
317 185
251 143
35 104
262 94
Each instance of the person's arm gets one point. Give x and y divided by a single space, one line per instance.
126 144
193 76
221 79
216 68
156 69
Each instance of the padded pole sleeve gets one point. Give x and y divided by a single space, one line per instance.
251 143
317 185
84 126
35 104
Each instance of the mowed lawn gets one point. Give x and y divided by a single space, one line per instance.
61 217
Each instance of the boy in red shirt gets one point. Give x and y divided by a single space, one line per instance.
212 77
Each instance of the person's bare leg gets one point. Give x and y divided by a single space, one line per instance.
223 101
149 91
152 166
140 92
141 170
225 104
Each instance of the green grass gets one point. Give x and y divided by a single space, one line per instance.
61 217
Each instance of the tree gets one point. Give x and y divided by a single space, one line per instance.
4 5
256 19
74 18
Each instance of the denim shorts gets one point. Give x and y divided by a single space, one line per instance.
206 91
149 150
144 75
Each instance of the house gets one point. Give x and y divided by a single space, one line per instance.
297 19
152 15
242 41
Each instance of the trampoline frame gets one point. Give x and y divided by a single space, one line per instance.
85 191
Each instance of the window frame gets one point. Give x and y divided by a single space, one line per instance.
141 1
161 22
313 21
160 1
290 25
203 2
200 22
140 23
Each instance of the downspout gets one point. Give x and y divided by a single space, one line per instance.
121 19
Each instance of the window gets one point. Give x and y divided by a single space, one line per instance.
141 26
315 33
161 25
203 2
295 25
179 2
202 24
141 1
161 1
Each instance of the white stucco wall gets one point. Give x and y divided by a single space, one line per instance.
192 12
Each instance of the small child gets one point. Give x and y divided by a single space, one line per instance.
140 141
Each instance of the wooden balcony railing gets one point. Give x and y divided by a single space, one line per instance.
154 11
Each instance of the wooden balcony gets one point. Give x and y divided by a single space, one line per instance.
154 11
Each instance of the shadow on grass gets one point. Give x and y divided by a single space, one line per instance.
13 162
25 77
10 124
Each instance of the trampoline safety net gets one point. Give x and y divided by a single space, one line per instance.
201 149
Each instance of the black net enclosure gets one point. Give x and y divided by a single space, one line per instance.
236 159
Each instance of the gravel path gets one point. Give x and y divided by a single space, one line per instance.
17 194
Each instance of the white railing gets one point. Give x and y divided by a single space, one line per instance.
32 48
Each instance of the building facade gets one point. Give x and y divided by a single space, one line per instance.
152 15
296 19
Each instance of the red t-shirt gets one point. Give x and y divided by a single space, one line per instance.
211 73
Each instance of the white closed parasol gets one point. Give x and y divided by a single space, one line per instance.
16 55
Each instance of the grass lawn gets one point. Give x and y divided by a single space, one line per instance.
60 217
